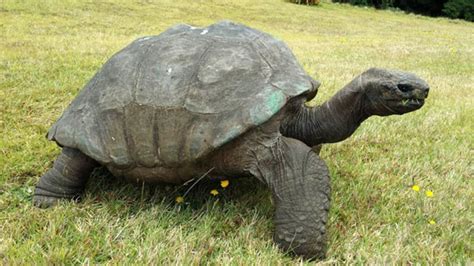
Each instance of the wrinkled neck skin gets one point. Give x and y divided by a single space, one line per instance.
333 121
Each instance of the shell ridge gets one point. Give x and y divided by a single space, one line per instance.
95 115
138 71
182 147
130 144
195 73
101 140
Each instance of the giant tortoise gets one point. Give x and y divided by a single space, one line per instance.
226 99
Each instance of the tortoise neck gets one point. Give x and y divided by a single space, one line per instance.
333 121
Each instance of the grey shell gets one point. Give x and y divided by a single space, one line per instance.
175 97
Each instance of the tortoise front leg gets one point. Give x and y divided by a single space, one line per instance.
299 180
66 180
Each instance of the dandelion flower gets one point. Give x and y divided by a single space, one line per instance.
415 188
224 183
179 199
429 193
214 192
432 222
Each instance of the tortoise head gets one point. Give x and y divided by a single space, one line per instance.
392 92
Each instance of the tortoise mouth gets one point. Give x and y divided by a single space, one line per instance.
405 104
412 101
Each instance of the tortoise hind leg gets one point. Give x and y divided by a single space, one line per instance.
65 180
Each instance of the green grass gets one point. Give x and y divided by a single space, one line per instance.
49 50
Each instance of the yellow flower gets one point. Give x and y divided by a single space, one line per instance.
224 183
415 188
429 193
179 199
214 192
432 222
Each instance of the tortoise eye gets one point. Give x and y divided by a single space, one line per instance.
404 87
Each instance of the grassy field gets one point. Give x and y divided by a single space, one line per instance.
49 50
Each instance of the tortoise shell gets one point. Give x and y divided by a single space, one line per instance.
175 97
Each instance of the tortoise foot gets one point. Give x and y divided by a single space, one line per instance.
45 199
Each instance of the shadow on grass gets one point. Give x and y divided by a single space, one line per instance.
243 192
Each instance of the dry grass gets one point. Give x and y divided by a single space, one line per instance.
48 50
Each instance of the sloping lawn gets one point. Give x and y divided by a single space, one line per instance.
49 50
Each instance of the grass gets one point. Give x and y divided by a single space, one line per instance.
49 50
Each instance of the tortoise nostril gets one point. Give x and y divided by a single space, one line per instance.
427 89
404 87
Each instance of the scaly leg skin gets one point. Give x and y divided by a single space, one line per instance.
299 180
66 180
